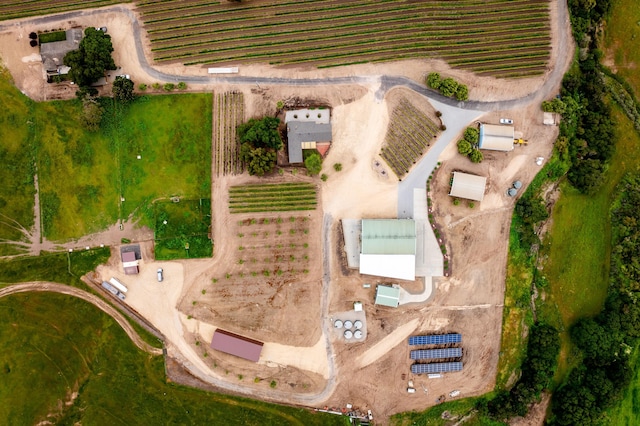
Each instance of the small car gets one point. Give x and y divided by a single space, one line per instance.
127 76
506 121
160 275
103 29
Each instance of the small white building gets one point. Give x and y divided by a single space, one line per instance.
496 138
470 187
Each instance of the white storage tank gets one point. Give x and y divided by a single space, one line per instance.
348 334
357 324
337 324
357 334
348 324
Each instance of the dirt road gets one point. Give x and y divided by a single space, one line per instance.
50 287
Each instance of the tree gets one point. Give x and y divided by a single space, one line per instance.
337 167
464 147
472 135
448 87
261 133
123 89
476 156
532 210
433 80
91 59
462 94
555 105
259 160
313 163
91 114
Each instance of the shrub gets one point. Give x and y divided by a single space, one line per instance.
313 163
168 87
456 202
182 86
448 87
438 114
324 177
462 93
471 135
476 156
464 147
433 80
142 87
156 86
472 205
337 167
273 384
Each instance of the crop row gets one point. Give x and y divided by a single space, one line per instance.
334 32
408 137
19 9
228 113
272 197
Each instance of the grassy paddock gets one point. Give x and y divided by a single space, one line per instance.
64 344
622 39
187 223
579 242
16 172
433 416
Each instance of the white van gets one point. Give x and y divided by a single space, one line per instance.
160 276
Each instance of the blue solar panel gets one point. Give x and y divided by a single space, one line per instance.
435 339
438 367
436 353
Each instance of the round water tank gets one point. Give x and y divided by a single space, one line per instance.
348 334
357 334
337 324
357 324
512 192
348 324
517 184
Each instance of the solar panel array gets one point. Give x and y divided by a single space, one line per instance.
436 353
435 339
438 367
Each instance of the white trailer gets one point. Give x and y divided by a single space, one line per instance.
223 70
111 289
117 284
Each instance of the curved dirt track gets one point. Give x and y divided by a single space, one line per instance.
43 286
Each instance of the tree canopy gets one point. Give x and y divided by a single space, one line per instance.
91 59
261 133
313 163
123 89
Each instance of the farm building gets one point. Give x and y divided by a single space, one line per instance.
234 344
387 295
496 138
130 263
470 187
388 248
307 129
53 53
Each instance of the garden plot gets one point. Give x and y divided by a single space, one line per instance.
269 281
228 114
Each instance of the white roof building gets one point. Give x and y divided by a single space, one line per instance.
470 187
496 138
388 248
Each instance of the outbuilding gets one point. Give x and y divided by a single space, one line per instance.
496 138
387 295
234 344
470 187
307 129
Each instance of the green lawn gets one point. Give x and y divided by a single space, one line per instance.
63 344
83 175
16 173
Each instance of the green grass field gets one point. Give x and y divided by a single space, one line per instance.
622 39
187 225
579 242
66 345
171 134
16 174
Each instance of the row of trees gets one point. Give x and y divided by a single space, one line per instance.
448 86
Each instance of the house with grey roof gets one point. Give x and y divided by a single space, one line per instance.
53 53
307 129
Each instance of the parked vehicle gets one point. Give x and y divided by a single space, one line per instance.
506 121
160 275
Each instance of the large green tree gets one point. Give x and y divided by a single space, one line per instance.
313 163
91 59
261 133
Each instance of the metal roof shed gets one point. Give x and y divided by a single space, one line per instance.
304 135
470 187
496 138
234 344
388 248
387 296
